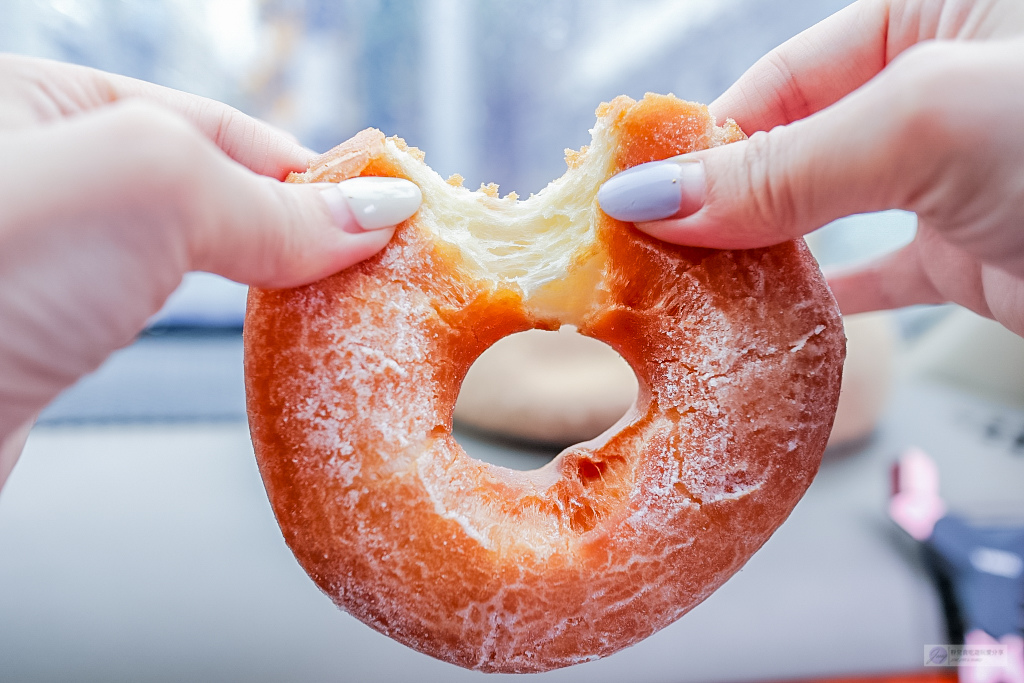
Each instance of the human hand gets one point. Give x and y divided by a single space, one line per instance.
113 188
905 104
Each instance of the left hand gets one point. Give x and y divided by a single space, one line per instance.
111 189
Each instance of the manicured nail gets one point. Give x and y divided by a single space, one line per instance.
673 188
374 203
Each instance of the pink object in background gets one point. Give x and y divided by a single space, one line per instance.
915 504
1011 672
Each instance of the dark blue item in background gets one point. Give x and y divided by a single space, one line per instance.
984 568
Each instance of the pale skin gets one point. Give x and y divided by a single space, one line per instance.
888 104
111 189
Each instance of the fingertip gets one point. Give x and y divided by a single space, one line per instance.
733 104
878 287
854 292
298 160
284 156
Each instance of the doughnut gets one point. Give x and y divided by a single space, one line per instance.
350 384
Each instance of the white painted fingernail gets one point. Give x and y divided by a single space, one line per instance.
374 203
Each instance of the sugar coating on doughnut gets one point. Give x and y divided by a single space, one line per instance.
351 382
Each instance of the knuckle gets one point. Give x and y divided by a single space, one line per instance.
939 108
234 130
789 98
770 192
927 85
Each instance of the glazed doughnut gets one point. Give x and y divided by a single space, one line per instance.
350 385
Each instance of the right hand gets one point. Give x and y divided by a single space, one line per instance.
888 104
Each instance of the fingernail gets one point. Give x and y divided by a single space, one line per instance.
370 203
673 188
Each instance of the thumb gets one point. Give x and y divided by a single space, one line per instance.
198 209
262 232
237 223
259 231
778 185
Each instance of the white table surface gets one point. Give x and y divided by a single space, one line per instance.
150 553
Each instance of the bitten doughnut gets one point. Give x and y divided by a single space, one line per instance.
351 381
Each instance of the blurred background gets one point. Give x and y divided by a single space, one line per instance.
135 540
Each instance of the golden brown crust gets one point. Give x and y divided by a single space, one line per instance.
344 161
351 382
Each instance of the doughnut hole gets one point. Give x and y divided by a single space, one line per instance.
546 389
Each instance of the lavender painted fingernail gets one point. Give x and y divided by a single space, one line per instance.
658 189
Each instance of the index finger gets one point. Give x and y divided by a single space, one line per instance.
56 89
810 71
